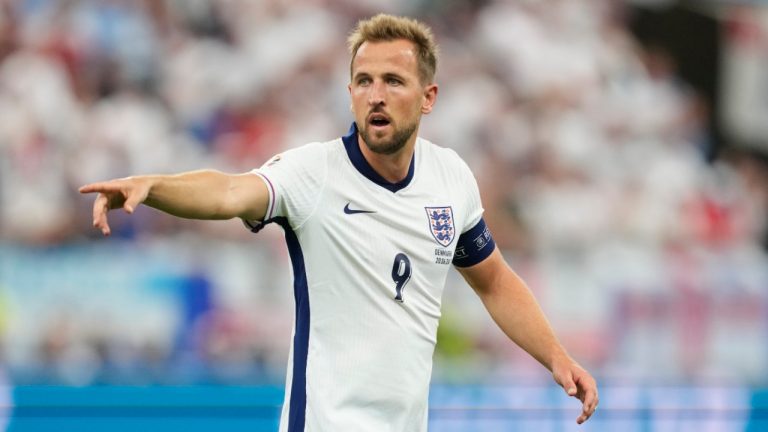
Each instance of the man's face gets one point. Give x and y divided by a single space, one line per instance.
388 98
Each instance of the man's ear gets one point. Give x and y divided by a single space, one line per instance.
430 97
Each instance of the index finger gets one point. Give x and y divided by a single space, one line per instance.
100 187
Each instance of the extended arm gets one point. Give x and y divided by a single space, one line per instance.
513 307
204 194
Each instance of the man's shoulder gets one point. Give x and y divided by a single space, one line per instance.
315 147
310 159
311 152
443 156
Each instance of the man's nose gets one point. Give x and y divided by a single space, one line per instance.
377 94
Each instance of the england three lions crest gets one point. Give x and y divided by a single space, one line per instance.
441 224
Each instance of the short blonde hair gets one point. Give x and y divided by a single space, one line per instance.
383 27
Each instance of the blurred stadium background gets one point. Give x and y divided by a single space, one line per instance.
621 149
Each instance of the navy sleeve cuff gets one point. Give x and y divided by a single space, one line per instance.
256 226
474 246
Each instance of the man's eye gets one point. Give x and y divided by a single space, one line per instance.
393 81
363 81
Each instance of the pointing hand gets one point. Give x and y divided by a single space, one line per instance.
126 193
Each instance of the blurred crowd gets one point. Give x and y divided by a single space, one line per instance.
590 151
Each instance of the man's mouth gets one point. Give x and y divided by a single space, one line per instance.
378 120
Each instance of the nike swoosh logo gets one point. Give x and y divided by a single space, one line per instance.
348 210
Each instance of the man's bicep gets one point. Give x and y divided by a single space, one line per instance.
482 276
249 195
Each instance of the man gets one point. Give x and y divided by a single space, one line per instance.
373 220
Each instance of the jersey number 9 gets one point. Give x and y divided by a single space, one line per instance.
401 274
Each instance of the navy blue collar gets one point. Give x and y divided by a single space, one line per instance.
362 165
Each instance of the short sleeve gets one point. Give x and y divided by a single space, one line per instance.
295 180
474 205
475 242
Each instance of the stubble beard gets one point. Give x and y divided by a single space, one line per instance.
399 138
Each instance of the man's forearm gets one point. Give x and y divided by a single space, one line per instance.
200 194
512 305
515 310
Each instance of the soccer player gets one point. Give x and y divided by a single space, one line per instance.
373 220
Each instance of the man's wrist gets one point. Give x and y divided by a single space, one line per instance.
559 358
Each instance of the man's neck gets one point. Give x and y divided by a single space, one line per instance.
392 167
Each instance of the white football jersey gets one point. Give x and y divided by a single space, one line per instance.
370 259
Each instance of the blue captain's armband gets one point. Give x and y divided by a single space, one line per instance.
474 246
